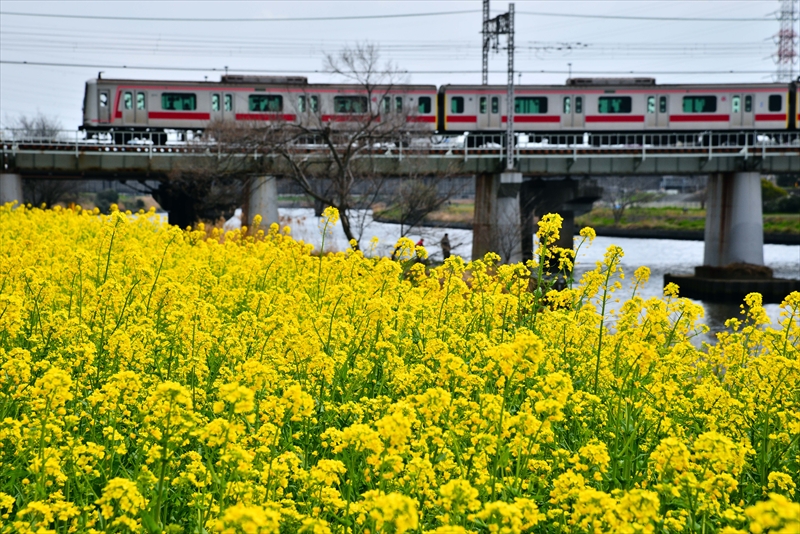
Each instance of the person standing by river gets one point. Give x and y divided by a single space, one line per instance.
445 244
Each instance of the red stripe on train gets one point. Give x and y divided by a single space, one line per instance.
347 118
179 115
421 119
614 118
264 117
770 117
700 117
461 118
533 118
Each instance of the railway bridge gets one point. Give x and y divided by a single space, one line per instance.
552 173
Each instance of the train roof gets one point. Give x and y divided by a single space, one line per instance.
255 81
599 87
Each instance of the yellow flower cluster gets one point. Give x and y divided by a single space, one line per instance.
154 379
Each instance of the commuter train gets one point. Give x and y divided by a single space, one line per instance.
581 105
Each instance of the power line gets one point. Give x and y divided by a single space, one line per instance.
249 19
388 16
468 71
634 17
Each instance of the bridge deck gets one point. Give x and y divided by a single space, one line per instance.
73 155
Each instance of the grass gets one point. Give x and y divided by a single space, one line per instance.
678 219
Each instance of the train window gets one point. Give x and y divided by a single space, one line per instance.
265 102
775 102
386 105
614 104
748 104
398 104
530 104
736 104
483 104
578 104
103 100
662 104
214 102
351 104
567 105
301 103
228 103
424 104
127 98
495 105
314 103
457 104
700 104
140 101
651 104
179 101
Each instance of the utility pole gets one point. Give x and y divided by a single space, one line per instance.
486 42
786 56
492 29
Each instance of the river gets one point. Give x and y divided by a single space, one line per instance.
660 255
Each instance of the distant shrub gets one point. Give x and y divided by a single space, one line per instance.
104 199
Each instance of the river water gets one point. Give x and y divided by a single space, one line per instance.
660 255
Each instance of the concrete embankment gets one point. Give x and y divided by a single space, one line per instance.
686 235
772 290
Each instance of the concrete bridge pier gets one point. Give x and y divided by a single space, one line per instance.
497 222
10 188
261 198
566 196
734 230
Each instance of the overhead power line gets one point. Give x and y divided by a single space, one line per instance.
434 71
387 16
634 17
248 19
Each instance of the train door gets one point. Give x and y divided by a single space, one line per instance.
495 113
577 112
483 112
748 111
128 111
216 107
103 106
662 112
650 120
566 112
140 113
227 106
736 111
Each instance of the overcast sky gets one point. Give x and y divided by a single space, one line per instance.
594 36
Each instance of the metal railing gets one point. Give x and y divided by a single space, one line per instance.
709 144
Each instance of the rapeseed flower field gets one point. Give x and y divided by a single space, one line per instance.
154 379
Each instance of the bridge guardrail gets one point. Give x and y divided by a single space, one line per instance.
578 145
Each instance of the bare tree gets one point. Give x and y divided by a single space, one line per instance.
50 191
39 126
623 192
329 156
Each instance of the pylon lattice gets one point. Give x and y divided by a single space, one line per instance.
786 38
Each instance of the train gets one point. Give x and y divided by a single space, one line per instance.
129 107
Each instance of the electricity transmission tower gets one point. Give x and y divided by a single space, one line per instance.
492 30
786 57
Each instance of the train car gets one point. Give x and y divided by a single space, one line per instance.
130 106
617 105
